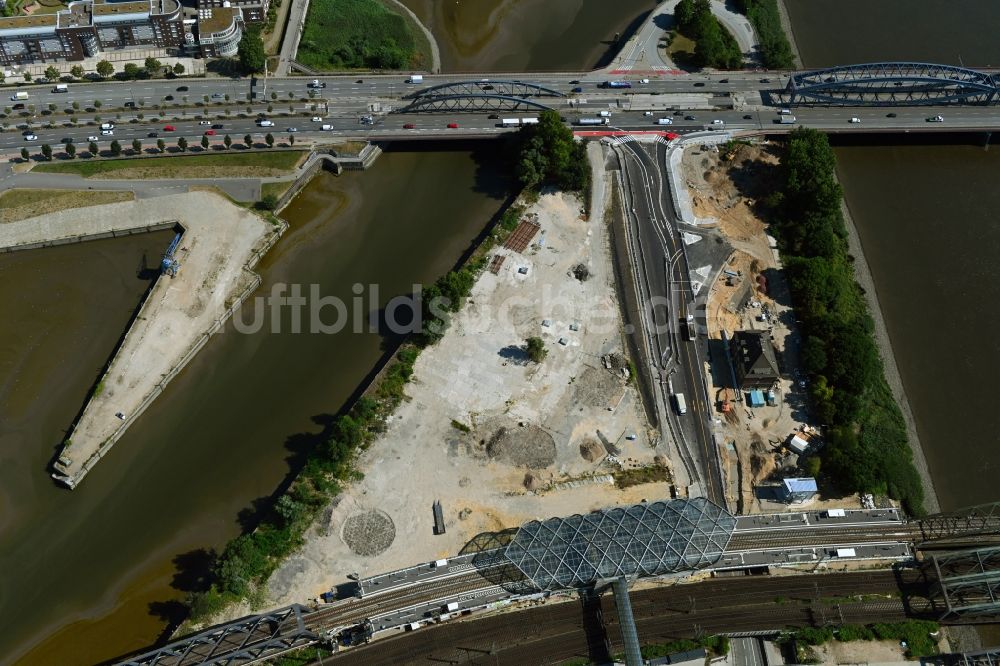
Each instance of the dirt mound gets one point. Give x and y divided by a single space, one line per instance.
368 533
596 387
522 446
591 450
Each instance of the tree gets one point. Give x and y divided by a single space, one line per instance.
153 66
136 146
76 71
161 145
248 140
227 141
204 142
178 69
269 140
47 151
131 70
105 69
98 103
268 202
182 144
546 152
70 150
92 149
116 148
291 139
25 155
535 348
250 51
51 73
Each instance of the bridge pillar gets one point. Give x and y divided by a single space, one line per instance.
630 635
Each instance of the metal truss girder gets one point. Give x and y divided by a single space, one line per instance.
988 657
472 104
505 88
245 641
983 519
915 83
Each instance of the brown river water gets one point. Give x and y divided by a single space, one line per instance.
98 572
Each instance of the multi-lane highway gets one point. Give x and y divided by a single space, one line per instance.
691 102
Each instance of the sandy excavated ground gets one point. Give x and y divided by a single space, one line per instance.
725 187
523 418
862 652
219 240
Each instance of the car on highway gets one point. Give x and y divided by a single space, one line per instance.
487 87
765 80
452 125
575 82
723 80
647 113
108 132
18 107
699 84
578 89
316 83
182 88
643 81
153 135
665 121
210 132
169 128
890 115
718 122
317 119
204 122
218 126
748 116
66 139
31 137
854 119
690 117
218 96
493 116
93 138
292 129
169 98
409 126
936 119
129 105
264 122
360 81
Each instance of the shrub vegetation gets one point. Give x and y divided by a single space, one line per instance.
916 634
546 153
775 51
866 448
714 46
360 34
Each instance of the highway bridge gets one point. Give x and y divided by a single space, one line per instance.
430 593
883 97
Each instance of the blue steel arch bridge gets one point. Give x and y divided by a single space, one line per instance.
478 96
890 84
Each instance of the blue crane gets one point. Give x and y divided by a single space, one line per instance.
169 265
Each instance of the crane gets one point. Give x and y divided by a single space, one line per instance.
169 265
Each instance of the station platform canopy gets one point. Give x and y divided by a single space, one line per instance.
648 539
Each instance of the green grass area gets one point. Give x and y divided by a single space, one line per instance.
361 34
919 636
179 167
275 189
764 15
20 204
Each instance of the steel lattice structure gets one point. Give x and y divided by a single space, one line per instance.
246 641
891 84
968 584
988 657
976 521
640 540
475 96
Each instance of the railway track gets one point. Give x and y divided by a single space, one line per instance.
779 538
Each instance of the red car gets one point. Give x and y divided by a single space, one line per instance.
168 128
409 126
209 132
452 125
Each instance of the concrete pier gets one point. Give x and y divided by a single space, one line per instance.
220 245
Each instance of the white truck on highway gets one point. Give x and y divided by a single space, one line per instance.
680 404
61 88
593 121
518 122
415 78
19 96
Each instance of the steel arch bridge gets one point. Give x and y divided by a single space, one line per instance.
476 96
891 84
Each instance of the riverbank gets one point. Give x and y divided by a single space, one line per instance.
863 276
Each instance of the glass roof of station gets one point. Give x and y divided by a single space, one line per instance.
647 539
